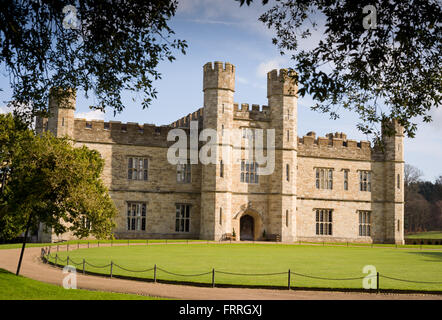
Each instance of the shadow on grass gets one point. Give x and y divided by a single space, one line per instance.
434 256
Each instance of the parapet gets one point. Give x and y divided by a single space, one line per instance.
334 145
258 113
115 132
184 122
281 83
219 76
62 98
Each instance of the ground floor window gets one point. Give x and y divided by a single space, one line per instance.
136 216
182 221
364 223
324 221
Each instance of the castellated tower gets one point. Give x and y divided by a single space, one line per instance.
216 198
282 100
61 110
394 182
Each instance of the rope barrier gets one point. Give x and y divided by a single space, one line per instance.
251 274
413 281
184 275
338 279
50 256
128 270
93 266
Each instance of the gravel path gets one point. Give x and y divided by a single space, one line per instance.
33 268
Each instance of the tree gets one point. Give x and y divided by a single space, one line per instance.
103 47
378 58
54 183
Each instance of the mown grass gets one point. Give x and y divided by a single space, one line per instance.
437 235
14 287
74 243
253 259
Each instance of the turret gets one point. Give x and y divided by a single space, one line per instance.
393 144
282 99
61 109
218 87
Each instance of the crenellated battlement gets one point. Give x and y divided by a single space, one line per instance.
99 131
219 76
281 83
334 145
243 112
219 66
184 122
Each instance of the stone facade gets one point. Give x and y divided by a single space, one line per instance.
283 205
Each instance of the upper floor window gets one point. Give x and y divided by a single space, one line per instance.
221 169
365 181
287 172
324 178
345 179
249 172
182 218
136 216
398 181
184 173
324 220
137 168
364 223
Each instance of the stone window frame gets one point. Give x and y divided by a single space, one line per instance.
184 173
324 221
136 219
365 182
346 179
248 169
365 222
182 217
324 182
131 170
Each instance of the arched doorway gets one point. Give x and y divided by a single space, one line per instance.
246 225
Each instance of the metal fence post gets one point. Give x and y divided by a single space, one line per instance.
67 247
56 258
58 248
98 243
111 267
84 262
155 273
377 282
78 245
88 244
67 261
213 278
289 280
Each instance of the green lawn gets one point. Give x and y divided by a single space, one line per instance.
426 235
21 288
73 243
317 261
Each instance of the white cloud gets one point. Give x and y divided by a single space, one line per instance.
266 66
91 115
242 80
5 109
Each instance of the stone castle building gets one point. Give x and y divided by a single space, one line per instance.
322 188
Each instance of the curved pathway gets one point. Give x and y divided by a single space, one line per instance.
34 268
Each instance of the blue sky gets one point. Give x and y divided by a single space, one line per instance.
219 30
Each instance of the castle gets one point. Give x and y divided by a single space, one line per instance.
321 189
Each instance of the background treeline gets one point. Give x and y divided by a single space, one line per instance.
423 202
